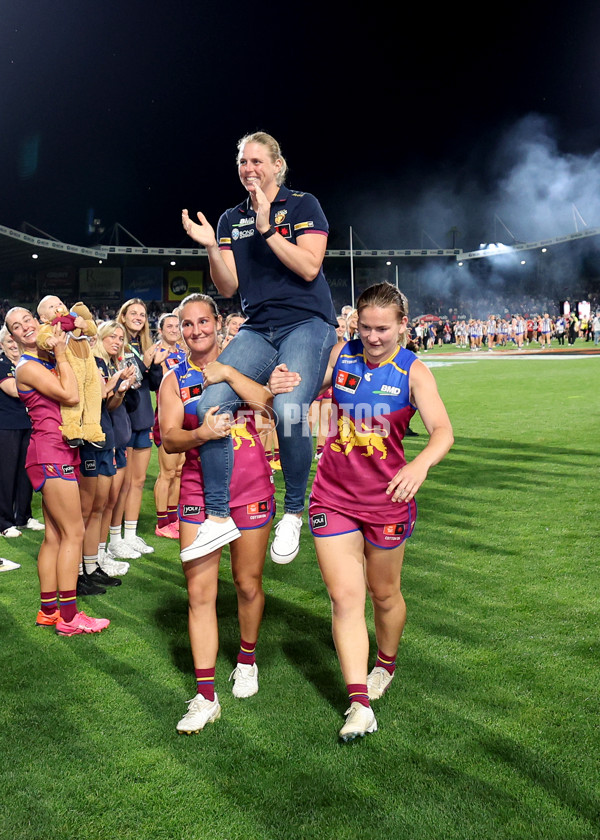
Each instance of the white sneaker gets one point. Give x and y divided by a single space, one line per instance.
121 566
378 682
8 565
211 535
122 550
245 680
360 721
138 544
11 532
34 524
113 568
200 712
286 544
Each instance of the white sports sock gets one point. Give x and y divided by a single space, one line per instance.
90 563
129 530
115 533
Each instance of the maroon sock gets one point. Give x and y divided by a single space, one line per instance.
172 514
49 602
205 682
162 518
247 654
68 604
387 662
357 693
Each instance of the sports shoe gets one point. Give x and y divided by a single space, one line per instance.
112 567
200 712
138 544
8 565
34 524
211 535
378 682
360 721
81 623
11 532
85 586
286 544
168 531
122 550
44 620
245 680
102 578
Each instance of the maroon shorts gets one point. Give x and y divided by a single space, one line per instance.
40 473
327 522
246 517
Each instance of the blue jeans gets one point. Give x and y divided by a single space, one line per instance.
304 347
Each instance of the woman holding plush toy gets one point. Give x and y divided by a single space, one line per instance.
44 385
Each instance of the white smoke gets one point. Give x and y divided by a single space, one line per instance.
542 192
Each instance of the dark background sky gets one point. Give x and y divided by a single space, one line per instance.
402 122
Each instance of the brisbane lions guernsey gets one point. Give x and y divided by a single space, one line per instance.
371 411
47 445
252 478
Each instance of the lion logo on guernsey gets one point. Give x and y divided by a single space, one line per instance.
239 433
348 438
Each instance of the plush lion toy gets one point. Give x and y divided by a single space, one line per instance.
81 422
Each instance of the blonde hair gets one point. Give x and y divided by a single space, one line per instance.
272 147
144 335
104 329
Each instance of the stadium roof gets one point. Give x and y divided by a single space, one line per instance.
18 248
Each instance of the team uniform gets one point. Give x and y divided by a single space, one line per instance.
141 414
271 294
171 361
371 411
15 431
252 489
48 456
100 460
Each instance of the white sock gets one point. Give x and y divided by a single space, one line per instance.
129 530
90 563
115 533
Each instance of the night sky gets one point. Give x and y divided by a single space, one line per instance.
402 123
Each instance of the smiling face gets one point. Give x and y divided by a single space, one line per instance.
199 328
23 326
380 328
10 348
255 166
134 318
170 329
113 343
233 327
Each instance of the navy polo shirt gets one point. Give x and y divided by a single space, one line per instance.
13 414
271 294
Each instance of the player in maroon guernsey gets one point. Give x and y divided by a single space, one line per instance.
362 505
44 384
252 505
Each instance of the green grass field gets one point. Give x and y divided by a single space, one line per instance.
491 727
